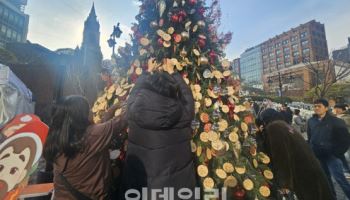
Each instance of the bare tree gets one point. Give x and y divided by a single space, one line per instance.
325 74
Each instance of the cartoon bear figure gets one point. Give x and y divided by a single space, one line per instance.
20 152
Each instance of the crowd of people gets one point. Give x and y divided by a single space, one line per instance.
306 166
158 116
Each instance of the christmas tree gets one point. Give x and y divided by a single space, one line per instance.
185 32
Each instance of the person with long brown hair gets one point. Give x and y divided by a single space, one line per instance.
79 150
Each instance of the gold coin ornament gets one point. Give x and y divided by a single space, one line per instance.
248 184
193 147
213 136
202 171
255 163
221 173
226 73
171 30
138 71
225 109
208 102
109 96
244 127
240 170
264 191
209 154
268 174
204 137
231 181
208 183
264 158
225 64
196 52
199 151
144 41
222 125
111 89
233 137
228 167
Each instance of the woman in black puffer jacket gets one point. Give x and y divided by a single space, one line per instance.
160 112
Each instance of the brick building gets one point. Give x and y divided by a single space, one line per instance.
286 53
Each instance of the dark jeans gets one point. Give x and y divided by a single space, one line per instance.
333 166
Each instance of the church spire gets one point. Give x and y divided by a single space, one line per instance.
92 11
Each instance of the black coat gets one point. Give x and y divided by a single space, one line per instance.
328 136
159 151
293 163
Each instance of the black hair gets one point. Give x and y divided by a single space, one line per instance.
297 111
322 101
69 121
267 116
341 106
164 84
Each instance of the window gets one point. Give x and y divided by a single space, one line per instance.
280 66
11 18
6 13
295 47
305 51
287 56
278 52
3 29
305 43
286 50
14 35
294 39
15 21
303 34
9 32
278 44
272 54
296 53
18 37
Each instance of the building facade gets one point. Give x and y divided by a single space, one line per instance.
237 66
342 54
13 21
251 67
285 52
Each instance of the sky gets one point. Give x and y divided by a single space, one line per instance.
59 23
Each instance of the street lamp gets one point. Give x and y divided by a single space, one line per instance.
115 34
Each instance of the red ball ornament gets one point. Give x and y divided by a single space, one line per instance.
239 194
182 13
175 18
181 19
192 2
212 56
161 22
201 43
160 42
